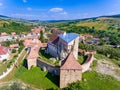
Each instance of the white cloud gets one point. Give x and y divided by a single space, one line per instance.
56 9
25 1
29 8
1 4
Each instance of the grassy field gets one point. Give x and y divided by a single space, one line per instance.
103 57
96 81
97 25
2 22
37 78
3 67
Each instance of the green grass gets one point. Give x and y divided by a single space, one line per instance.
46 58
37 78
3 67
97 25
97 81
100 56
81 59
6 64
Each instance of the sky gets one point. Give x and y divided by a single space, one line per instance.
58 9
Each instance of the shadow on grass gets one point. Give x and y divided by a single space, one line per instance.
42 52
84 59
53 78
25 63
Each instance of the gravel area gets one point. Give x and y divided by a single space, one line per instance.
108 68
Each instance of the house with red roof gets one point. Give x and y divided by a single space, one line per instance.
88 36
13 33
31 42
37 30
4 34
14 46
4 53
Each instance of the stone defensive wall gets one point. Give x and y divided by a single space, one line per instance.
88 62
55 70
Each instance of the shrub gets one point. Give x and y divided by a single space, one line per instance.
4 60
13 51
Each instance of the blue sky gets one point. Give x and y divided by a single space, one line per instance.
58 9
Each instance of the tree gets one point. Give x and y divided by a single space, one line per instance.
13 51
41 37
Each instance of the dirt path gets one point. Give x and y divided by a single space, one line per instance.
108 68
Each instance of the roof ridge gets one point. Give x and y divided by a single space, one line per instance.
71 62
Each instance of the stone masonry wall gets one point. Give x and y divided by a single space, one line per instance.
69 76
75 50
31 62
50 68
86 65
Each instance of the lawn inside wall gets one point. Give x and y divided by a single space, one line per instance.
37 78
46 57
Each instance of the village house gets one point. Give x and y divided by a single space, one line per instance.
5 38
4 53
14 46
37 30
62 43
4 34
13 33
88 36
81 38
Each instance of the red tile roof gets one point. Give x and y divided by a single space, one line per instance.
35 46
71 63
88 35
3 50
31 42
33 53
37 30
13 33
